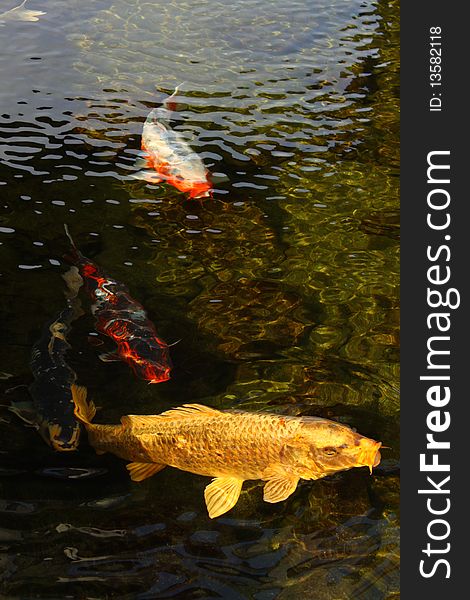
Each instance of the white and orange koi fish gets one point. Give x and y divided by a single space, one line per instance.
19 13
168 157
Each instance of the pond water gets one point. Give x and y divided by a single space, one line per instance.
282 289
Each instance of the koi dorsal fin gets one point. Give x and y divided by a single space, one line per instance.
144 421
191 411
187 411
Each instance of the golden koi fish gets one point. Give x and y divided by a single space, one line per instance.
230 446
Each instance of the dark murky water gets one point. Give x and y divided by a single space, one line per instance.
283 288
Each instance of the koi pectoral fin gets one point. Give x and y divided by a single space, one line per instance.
219 177
109 357
143 162
26 412
222 494
147 175
140 471
279 488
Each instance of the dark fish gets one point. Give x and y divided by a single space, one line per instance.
125 321
52 410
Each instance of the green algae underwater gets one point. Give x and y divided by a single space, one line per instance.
281 290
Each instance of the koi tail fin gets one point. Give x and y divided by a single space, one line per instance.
85 410
170 103
75 256
67 233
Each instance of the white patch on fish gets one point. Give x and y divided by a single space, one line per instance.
20 14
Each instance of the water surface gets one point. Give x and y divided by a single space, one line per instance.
282 289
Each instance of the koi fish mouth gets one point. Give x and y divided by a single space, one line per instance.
152 374
201 195
200 190
370 454
376 460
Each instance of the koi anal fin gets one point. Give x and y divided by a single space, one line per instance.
140 471
279 488
222 494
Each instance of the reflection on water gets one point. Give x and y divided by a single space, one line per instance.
283 288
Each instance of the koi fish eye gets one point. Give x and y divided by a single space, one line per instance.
329 451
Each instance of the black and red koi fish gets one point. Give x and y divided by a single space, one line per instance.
125 321
51 410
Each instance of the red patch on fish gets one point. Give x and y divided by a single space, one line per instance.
155 369
90 271
195 189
